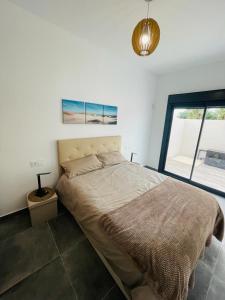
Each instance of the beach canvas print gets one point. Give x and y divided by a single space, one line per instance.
94 113
110 115
73 112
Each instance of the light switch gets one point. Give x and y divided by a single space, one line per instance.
37 163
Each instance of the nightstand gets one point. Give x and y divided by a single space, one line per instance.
43 208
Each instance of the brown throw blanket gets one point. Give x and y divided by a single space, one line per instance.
165 231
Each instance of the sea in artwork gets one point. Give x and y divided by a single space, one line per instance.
110 115
73 112
94 113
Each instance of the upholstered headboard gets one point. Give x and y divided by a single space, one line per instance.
76 148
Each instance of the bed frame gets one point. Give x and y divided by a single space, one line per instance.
77 148
70 149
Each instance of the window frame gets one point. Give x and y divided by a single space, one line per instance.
203 100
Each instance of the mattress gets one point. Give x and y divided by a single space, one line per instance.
91 195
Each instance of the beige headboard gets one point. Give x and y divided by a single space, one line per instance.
76 148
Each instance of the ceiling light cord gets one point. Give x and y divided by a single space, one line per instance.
148 10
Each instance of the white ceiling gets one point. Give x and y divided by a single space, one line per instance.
192 31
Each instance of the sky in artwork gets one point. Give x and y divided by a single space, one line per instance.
73 106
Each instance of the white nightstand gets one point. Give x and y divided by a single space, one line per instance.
43 208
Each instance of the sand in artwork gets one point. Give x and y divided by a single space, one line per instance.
94 113
110 115
73 112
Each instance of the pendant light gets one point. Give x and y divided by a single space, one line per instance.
146 35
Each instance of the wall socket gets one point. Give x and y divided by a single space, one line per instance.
37 163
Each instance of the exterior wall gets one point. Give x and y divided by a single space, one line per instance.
176 137
185 133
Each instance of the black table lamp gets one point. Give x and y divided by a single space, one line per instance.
41 192
132 155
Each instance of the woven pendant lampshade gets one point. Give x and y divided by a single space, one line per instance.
146 36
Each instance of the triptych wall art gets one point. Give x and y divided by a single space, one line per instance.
78 112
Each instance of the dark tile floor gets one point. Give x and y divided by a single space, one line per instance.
55 261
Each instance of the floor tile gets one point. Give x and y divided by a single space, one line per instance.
212 253
220 266
216 290
66 232
114 294
49 283
24 253
88 275
221 202
203 276
11 225
61 208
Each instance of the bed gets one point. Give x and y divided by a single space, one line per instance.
105 193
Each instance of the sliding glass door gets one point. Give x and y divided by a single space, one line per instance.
183 141
209 167
193 147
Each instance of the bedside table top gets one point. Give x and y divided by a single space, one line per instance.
33 201
33 198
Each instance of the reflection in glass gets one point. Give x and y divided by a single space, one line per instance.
183 141
211 151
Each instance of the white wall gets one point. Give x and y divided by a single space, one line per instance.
176 137
190 137
41 64
206 77
212 136
185 132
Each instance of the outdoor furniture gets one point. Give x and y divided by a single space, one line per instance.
215 158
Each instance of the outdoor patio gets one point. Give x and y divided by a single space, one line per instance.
204 174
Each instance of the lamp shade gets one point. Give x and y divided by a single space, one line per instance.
146 37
